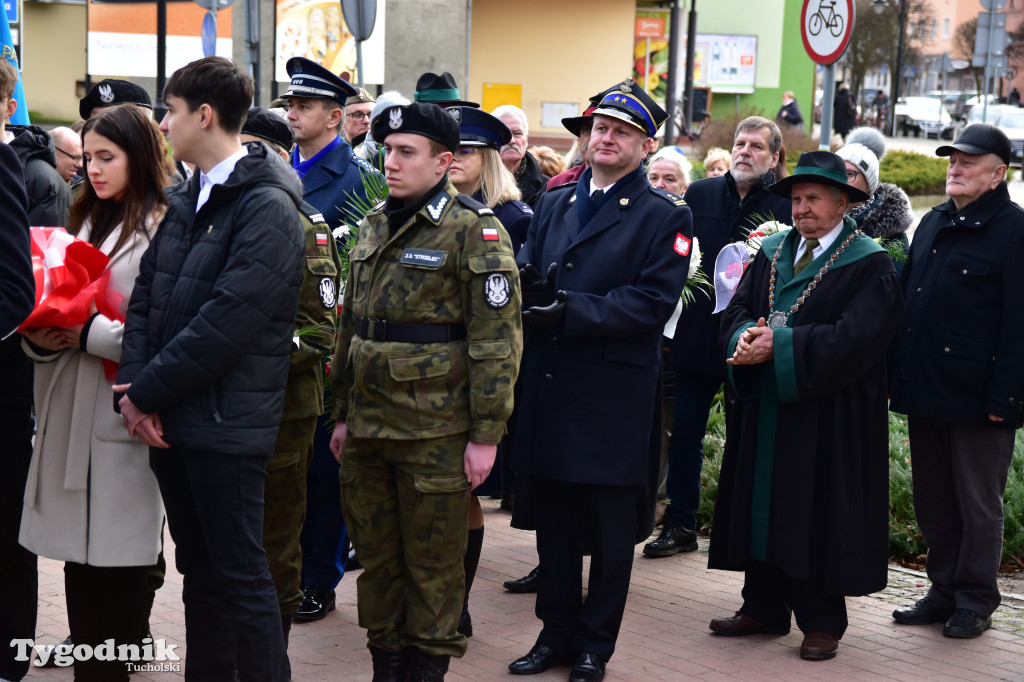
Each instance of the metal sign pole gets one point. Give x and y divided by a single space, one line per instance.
827 98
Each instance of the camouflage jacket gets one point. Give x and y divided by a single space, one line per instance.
450 263
318 301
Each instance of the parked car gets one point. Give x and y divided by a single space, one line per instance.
1011 122
926 115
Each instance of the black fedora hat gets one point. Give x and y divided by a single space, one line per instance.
979 138
574 123
440 90
477 128
824 168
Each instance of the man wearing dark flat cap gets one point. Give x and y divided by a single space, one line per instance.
284 494
604 263
330 170
427 354
957 375
803 494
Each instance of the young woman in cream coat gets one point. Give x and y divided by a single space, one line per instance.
91 499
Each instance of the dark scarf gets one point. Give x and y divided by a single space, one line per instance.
398 213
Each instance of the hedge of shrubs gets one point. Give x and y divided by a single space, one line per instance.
906 543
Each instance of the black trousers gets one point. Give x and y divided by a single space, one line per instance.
960 473
19 582
608 514
772 598
105 603
214 505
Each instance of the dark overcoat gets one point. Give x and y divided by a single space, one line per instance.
804 479
958 351
589 384
720 217
330 184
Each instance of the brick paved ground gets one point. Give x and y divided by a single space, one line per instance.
664 635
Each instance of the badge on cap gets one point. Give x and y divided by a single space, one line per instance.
328 295
497 291
627 85
456 114
396 119
106 94
682 244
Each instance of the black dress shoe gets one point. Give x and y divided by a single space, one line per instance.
672 540
316 604
65 648
966 624
527 583
925 611
742 625
587 668
819 646
540 658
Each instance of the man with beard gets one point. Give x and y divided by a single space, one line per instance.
725 209
523 166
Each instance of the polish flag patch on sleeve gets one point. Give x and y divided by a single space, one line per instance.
682 244
490 234
321 239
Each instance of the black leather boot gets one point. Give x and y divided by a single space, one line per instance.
426 668
389 666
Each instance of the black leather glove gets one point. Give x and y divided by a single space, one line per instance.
548 315
537 290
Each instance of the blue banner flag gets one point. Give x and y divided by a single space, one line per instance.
20 116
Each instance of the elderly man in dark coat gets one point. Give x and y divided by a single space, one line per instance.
958 376
802 503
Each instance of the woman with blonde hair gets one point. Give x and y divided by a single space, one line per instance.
716 162
477 170
91 499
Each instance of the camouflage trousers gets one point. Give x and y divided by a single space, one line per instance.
406 503
284 510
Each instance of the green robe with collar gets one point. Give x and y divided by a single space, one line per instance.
804 480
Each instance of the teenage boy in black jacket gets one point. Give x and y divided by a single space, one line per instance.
204 364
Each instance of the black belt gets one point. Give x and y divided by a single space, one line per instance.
382 330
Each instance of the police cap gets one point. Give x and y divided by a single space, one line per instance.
628 102
440 90
477 128
309 79
110 92
269 126
418 118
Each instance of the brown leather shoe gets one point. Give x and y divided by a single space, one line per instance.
741 625
819 646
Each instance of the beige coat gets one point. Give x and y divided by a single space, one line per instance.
91 496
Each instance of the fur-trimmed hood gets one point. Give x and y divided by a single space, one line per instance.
886 214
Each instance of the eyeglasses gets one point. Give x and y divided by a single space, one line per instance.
357 115
465 152
75 157
851 175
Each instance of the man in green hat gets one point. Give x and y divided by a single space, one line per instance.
802 506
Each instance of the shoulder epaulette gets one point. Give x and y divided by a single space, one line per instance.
563 186
377 208
312 213
363 163
474 205
673 199
523 206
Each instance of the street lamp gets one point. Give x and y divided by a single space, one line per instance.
879 7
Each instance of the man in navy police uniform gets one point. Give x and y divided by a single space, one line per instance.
329 169
604 263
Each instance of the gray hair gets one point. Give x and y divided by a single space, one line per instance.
760 123
512 110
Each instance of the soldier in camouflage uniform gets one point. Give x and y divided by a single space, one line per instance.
428 352
285 490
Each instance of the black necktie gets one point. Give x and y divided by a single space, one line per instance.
596 196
